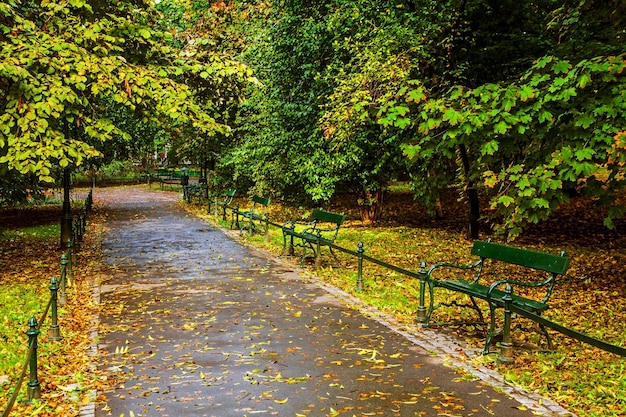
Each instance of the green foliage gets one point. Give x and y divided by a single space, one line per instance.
210 36
119 169
528 159
534 139
60 60
310 126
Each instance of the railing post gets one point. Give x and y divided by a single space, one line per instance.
70 263
89 201
84 221
421 309
77 238
54 333
235 214
34 387
359 276
506 352
63 292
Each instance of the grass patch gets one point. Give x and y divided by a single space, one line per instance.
30 257
45 232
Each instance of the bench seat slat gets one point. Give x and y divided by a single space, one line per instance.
482 291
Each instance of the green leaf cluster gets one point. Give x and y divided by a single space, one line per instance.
61 61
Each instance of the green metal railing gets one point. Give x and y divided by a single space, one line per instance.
421 312
58 296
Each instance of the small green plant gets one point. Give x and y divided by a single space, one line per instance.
117 170
44 232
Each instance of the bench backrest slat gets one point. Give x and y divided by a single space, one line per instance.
327 216
261 200
527 258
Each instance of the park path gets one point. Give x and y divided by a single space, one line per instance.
196 324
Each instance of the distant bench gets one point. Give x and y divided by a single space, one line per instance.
256 213
198 190
501 293
226 201
169 177
321 230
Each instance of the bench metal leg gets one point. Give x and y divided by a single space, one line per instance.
421 309
234 217
318 255
333 255
288 248
305 246
544 331
492 328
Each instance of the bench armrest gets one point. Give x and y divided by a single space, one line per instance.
548 282
450 265
316 230
292 223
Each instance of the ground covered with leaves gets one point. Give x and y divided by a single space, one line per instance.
589 298
30 257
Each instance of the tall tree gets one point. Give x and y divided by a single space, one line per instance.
213 34
60 60
300 133
541 132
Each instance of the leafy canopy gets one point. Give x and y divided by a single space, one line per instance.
61 60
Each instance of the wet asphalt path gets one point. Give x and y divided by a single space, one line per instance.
195 324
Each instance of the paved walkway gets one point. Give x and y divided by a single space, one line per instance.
195 324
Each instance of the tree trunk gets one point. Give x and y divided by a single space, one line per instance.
472 197
66 216
371 205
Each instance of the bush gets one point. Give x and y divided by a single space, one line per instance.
119 169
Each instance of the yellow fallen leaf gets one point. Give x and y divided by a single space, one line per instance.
281 401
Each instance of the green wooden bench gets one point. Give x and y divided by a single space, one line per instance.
196 189
320 230
170 178
224 204
528 293
256 213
